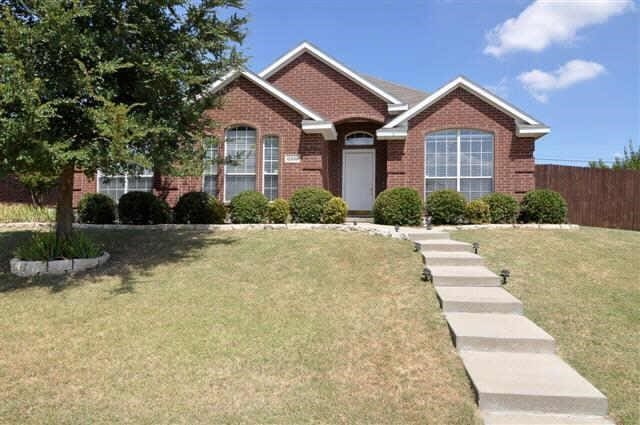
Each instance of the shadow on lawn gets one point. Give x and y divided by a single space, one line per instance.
134 253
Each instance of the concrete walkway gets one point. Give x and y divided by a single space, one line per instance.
518 378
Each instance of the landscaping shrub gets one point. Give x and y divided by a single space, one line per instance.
400 206
249 207
477 212
335 212
45 246
199 208
543 206
503 208
278 211
307 204
20 213
96 208
445 206
143 208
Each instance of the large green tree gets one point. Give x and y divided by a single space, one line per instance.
110 85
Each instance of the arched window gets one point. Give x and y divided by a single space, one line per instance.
461 160
271 166
239 146
358 138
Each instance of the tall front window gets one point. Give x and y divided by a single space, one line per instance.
240 147
461 160
115 186
271 155
210 179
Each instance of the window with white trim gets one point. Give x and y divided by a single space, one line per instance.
117 185
240 147
358 138
210 178
461 160
271 161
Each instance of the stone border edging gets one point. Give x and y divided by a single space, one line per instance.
56 267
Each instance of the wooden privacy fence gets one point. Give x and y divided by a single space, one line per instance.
595 196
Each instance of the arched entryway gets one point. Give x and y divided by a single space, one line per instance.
357 164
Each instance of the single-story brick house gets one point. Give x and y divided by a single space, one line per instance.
308 120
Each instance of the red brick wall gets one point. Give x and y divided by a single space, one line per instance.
327 91
514 164
245 103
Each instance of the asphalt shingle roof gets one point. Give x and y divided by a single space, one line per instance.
406 94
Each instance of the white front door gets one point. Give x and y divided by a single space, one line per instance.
358 178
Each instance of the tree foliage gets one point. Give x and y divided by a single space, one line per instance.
110 84
630 160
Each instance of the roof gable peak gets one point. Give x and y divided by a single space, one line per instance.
306 47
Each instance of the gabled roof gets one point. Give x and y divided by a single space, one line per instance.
315 125
275 92
306 47
408 95
474 89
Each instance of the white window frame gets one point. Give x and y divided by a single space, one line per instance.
458 176
146 173
215 173
264 161
373 139
224 189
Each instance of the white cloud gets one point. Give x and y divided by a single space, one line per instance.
545 22
540 83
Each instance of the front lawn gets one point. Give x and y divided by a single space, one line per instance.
242 327
583 287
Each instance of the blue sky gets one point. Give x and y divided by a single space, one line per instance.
575 67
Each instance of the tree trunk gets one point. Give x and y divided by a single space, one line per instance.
64 209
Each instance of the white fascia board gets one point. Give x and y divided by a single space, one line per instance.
394 109
325 128
524 130
391 134
470 87
308 47
288 100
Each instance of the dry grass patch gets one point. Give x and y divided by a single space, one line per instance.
243 327
583 288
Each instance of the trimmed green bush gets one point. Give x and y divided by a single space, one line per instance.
278 211
249 207
199 208
96 208
143 208
445 206
503 208
45 246
543 206
307 204
400 206
335 212
477 212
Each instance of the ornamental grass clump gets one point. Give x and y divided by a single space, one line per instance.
46 247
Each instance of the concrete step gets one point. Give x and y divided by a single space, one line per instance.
469 299
534 383
519 418
498 332
427 235
463 276
447 258
443 245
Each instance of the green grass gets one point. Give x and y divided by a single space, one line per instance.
582 287
244 327
22 213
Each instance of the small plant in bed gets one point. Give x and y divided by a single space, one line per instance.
46 247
